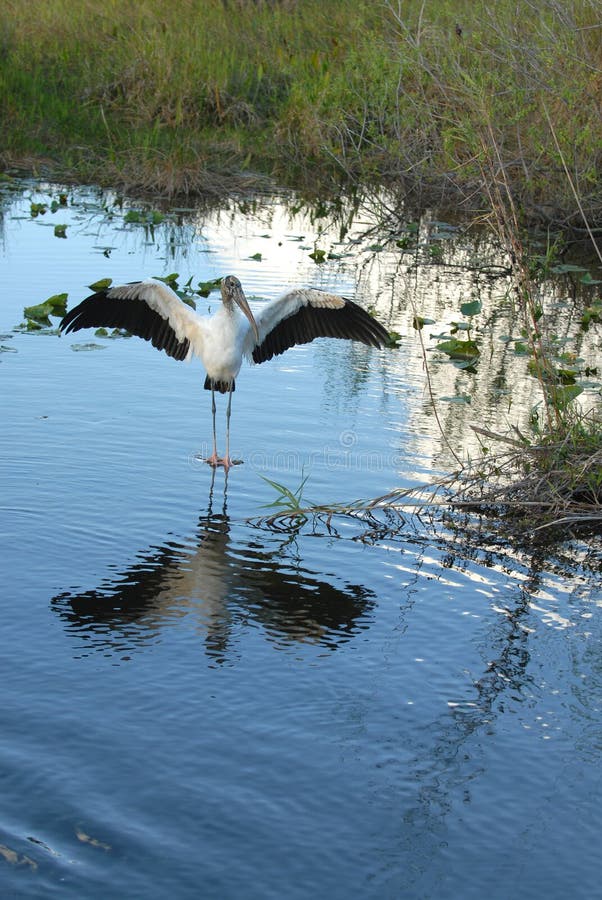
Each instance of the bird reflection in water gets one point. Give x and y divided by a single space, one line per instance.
225 584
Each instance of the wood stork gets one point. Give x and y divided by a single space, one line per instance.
153 311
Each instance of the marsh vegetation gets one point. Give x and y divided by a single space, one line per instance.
454 104
185 97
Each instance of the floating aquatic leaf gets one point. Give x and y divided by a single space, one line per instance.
419 322
101 284
257 257
439 337
38 209
394 339
60 231
143 217
16 859
205 287
85 347
566 393
54 306
459 398
591 314
32 325
587 279
457 349
58 303
171 280
467 365
564 268
101 332
444 226
567 376
471 308
520 348
317 255
87 839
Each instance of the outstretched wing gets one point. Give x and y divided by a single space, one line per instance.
302 315
148 309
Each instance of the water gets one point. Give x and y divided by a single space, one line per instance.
199 705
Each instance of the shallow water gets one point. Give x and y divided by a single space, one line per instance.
198 705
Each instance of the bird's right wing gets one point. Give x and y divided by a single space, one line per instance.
148 309
304 314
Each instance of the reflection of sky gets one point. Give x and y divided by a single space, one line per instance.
371 717
398 283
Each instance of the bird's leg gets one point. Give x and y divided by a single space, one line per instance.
213 460
226 461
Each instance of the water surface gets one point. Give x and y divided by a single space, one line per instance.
198 705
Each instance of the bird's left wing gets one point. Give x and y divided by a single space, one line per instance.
148 309
304 314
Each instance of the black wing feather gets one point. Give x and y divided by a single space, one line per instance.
349 322
101 311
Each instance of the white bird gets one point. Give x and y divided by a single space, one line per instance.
151 310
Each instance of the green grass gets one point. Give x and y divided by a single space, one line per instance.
175 97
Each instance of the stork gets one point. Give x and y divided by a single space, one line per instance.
151 310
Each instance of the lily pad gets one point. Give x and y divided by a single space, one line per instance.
205 287
85 347
418 322
566 393
564 268
457 349
101 284
587 279
40 312
471 308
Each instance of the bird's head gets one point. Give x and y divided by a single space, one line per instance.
232 292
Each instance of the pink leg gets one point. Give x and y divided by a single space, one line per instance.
214 460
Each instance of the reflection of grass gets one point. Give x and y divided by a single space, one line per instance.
174 95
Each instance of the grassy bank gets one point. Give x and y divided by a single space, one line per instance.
178 97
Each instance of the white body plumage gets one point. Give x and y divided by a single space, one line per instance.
151 310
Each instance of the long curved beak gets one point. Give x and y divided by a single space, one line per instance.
241 302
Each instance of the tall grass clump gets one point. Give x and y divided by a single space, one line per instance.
178 96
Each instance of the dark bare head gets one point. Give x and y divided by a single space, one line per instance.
232 293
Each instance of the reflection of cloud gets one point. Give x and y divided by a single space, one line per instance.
225 583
